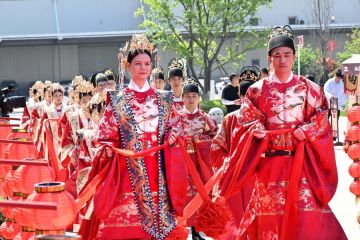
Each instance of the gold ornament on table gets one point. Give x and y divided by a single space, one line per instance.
138 42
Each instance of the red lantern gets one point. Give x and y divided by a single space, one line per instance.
355 187
354 114
353 134
58 219
354 170
4 170
354 151
9 230
25 234
9 184
26 176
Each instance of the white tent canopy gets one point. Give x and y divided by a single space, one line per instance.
351 66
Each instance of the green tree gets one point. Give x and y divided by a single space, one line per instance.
351 47
309 62
207 33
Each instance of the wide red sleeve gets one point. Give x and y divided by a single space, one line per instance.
67 144
25 119
320 164
220 146
211 126
316 121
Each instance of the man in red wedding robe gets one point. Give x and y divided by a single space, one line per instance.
197 128
284 138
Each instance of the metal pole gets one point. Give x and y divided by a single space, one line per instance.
298 59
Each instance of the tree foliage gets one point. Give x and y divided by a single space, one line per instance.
208 33
309 62
351 47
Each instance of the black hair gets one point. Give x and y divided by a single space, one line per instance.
57 90
109 76
265 70
232 76
133 54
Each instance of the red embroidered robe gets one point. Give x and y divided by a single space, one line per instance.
36 126
201 125
52 136
70 144
277 210
26 116
220 153
133 200
178 103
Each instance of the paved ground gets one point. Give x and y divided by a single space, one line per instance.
343 203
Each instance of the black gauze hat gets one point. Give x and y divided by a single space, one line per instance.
191 88
281 37
176 72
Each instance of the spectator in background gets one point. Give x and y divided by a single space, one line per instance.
264 73
230 97
334 88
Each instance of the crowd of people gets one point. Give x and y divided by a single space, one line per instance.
147 153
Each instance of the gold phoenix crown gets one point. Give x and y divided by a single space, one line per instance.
100 75
77 80
39 86
48 84
285 30
98 98
137 42
57 87
158 70
85 87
